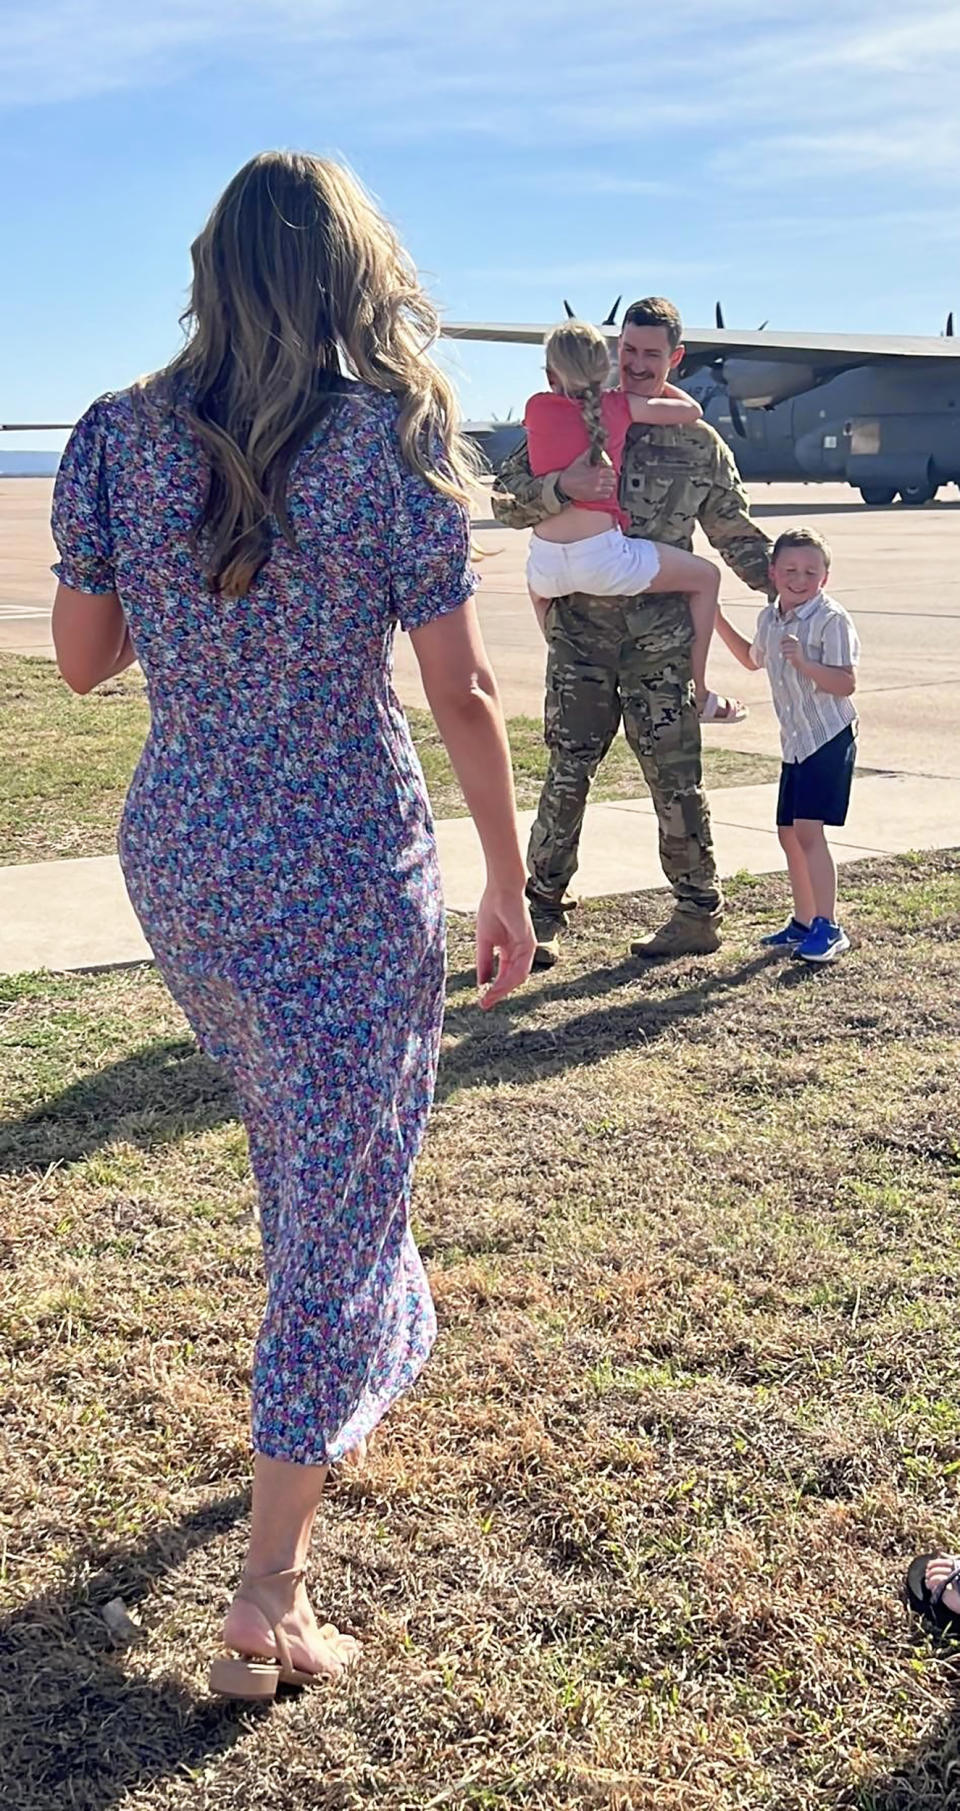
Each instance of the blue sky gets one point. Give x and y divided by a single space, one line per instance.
799 159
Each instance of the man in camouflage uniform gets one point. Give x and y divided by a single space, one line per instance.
630 657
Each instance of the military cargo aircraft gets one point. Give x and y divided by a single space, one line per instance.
880 413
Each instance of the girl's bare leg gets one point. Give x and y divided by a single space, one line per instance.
700 579
703 610
541 605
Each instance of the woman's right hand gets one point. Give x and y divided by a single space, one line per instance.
462 694
505 944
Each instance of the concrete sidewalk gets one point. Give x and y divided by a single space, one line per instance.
67 915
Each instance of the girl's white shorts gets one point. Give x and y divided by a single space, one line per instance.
605 565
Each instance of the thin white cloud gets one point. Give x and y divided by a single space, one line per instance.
931 225
61 50
901 48
840 90
548 49
796 158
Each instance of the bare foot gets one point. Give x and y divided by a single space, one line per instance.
940 1567
248 1630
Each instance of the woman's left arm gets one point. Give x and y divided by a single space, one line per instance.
89 631
91 637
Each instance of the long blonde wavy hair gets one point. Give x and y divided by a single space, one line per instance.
298 281
578 358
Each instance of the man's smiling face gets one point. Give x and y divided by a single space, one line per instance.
646 359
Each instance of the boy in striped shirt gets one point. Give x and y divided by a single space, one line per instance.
809 647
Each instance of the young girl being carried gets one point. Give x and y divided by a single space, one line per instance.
585 548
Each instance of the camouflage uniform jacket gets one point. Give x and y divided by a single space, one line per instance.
671 479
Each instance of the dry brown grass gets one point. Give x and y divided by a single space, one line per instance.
636 1540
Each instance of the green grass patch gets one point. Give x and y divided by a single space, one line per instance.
66 762
637 1537
619 777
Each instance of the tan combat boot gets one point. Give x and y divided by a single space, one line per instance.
684 934
549 917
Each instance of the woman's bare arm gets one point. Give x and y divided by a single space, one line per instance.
462 694
90 637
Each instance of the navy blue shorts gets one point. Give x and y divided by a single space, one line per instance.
819 787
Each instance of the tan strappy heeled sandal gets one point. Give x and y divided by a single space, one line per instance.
246 1676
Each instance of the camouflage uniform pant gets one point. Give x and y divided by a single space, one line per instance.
608 661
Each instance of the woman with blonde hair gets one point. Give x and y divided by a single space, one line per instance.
584 548
251 524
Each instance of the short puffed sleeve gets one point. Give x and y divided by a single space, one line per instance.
81 509
430 567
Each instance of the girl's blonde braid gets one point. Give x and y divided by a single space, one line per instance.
591 402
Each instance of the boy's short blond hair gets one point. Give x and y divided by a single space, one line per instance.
801 537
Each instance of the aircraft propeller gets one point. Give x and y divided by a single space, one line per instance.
721 323
609 320
949 329
737 416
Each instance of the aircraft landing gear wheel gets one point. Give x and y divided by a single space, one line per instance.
915 495
877 495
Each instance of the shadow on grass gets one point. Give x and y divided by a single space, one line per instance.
493 1046
149 1097
165 1089
925 1779
79 1729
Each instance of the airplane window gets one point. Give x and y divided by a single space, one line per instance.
864 437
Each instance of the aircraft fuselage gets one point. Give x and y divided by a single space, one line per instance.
878 429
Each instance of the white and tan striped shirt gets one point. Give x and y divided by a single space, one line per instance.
808 716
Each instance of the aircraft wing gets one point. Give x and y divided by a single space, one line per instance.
823 351
518 335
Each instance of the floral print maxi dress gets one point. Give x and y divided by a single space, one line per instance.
278 848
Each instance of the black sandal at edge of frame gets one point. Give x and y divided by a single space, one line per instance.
929 1604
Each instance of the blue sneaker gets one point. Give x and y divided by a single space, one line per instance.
787 939
824 942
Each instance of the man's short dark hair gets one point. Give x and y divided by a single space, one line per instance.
656 311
